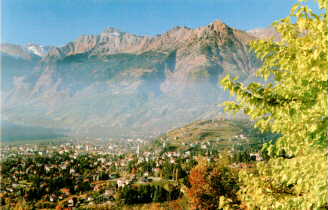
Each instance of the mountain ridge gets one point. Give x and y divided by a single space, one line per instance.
124 42
117 83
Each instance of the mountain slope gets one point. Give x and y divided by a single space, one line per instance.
226 132
265 33
12 132
116 84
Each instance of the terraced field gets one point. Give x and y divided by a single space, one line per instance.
222 131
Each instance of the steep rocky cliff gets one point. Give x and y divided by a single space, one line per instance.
116 83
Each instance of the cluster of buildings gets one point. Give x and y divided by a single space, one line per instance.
94 147
90 165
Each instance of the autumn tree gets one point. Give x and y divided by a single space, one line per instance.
292 103
199 187
209 182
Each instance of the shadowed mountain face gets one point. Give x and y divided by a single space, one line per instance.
12 132
120 84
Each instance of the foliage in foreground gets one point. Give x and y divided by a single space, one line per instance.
210 181
293 105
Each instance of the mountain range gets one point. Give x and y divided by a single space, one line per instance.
121 84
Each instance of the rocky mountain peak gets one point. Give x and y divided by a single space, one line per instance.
220 27
25 52
14 50
179 33
117 82
113 40
180 28
37 49
85 37
217 31
111 30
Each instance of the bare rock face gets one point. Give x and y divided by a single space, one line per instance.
116 82
16 51
27 52
112 40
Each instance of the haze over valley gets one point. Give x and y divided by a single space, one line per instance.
117 84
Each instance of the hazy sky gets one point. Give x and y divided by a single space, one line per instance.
56 22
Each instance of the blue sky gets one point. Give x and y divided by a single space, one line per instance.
56 22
